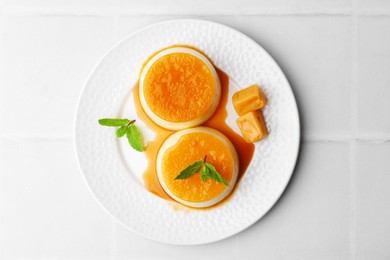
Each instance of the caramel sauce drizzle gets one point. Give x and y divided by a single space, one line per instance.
244 150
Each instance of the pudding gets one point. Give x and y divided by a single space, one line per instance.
179 88
185 147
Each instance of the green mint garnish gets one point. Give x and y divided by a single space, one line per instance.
121 131
127 127
205 174
214 174
208 171
134 137
190 170
114 122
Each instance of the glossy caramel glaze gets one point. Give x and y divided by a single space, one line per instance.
179 87
217 121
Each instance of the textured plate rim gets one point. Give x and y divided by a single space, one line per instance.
271 59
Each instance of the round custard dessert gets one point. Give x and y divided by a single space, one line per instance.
179 88
185 147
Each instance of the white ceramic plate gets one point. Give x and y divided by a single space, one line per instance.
113 171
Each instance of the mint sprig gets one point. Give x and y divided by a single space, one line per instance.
208 171
114 122
190 170
214 175
126 127
121 131
134 137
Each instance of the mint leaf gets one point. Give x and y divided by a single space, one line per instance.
205 174
113 122
215 175
121 131
208 171
127 127
134 137
190 170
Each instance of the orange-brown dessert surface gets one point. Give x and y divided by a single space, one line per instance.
217 121
179 87
190 148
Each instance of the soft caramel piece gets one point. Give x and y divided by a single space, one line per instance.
252 126
249 99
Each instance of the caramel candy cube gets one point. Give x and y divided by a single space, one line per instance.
248 99
252 126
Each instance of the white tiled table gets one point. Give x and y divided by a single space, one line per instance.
336 55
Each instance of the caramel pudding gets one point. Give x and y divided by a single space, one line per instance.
183 148
217 121
179 88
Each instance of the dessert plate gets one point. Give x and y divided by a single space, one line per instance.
113 171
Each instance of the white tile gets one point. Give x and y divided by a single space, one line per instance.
373 107
129 24
131 246
315 54
178 7
372 201
39 6
45 62
373 5
46 210
313 51
231 6
312 219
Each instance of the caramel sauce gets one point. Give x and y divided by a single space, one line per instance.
217 121
150 175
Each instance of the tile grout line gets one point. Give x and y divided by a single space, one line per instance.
235 247
354 130
41 11
2 201
353 199
117 12
114 13
37 137
116 33
113 241
309 138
